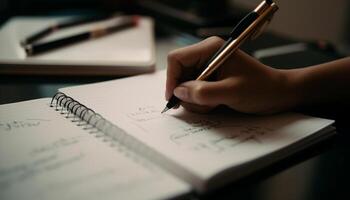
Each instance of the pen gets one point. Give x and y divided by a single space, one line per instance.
36 48
248 27
58 26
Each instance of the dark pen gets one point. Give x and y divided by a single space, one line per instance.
62 25
36 48
248 26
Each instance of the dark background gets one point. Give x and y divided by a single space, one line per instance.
319 172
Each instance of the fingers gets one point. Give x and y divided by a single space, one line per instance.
184 61
196 108
205 93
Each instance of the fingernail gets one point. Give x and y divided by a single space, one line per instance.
181 93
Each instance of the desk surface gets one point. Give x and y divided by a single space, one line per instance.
320 172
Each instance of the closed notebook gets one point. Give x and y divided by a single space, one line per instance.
116 127
125 52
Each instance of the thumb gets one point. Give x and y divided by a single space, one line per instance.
203 92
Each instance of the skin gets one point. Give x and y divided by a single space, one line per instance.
244 84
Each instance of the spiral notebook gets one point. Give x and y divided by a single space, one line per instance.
108 140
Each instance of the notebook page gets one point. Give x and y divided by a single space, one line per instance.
45 156
201 144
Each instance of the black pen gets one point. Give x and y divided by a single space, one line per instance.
36 48
62 25
247 27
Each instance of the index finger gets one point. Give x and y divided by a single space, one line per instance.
184 61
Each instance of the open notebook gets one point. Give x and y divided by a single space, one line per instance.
109 139
126 52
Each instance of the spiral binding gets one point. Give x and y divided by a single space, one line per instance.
95 124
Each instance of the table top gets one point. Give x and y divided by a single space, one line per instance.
318 172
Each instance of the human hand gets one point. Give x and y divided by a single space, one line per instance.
241 83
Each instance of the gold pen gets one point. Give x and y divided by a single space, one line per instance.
250 26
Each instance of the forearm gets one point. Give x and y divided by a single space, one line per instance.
327 83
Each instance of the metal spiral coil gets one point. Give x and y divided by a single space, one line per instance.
95 124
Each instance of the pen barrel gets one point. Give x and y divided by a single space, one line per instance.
40 48
43 47
219 59
234 44
57 26
114 28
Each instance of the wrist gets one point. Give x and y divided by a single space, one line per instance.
293 91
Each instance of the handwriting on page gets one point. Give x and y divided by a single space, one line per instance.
42 159
21 124
198 132
215 135
38 165
62 156
144 114
57 145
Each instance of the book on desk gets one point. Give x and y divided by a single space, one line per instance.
126 52
108 140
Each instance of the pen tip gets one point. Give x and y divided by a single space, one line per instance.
164 110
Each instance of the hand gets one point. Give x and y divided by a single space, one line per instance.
241 83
